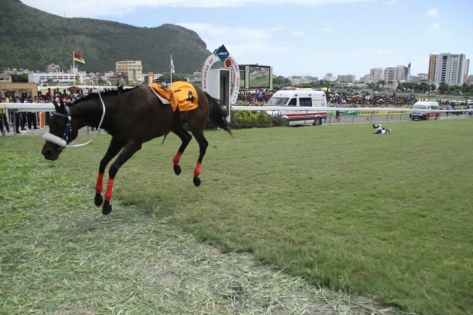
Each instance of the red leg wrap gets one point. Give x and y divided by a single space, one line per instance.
108 193
197 170
99 185
177 158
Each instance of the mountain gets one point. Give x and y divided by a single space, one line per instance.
32 39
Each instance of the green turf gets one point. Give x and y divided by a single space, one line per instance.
384 216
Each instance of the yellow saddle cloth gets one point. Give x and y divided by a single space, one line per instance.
182 95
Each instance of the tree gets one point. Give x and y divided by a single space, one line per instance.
443 88
21 77
166 77
279 82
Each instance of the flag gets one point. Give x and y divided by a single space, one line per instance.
79 58
172 66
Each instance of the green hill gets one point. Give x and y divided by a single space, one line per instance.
32 39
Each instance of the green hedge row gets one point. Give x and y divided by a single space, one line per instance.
249 119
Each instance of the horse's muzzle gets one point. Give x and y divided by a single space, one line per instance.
49 154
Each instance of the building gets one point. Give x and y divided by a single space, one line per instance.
396 74
346 78
56 78
132 69
367 79
470 79
51 68
451 69
18 89
302 79
5 78
377 74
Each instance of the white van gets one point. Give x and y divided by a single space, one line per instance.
425 110
299 98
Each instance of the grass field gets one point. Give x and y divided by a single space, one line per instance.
389 217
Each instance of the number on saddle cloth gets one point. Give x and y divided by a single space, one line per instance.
190 97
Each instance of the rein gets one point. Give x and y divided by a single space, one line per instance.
65 140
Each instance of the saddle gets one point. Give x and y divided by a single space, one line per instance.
181 95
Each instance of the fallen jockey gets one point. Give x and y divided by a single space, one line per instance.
379 130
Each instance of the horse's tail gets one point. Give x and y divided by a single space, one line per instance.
217 114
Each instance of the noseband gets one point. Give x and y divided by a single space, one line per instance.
66 135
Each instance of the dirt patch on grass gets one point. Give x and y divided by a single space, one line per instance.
197 278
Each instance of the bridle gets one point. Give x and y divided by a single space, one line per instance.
67 133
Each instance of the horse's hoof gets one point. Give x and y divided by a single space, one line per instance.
107 208
98 199
177 169
196 181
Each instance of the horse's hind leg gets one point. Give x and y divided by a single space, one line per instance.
113 149
126 153
185 139
203 144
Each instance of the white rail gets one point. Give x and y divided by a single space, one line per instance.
29 107
350 109
47 107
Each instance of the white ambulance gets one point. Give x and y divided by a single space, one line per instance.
300 98
424 110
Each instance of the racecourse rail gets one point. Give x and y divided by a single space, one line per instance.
48 107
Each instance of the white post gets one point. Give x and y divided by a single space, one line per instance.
171 68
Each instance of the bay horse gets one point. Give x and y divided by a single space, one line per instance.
131 117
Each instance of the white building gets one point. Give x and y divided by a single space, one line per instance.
302 79
56 78
346 78
451 69
131 68
396 74
377 74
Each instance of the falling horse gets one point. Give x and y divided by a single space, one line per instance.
131 118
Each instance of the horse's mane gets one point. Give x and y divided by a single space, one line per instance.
105 93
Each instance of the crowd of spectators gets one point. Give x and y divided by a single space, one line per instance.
337 98
29 120
257 96
343 98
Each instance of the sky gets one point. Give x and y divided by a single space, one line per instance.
302 37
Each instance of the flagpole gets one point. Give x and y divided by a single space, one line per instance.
170 68
73 61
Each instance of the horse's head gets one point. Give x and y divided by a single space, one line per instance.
60 132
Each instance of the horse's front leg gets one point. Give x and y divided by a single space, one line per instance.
126 153
113 149
185 139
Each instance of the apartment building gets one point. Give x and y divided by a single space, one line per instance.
131 68
451 69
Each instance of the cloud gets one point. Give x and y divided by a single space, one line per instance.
436 26
94 8
327 28
249 44
298 33
433 13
